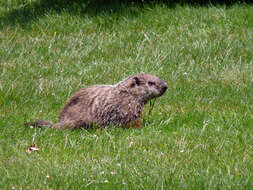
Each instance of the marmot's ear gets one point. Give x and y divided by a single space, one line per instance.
137 81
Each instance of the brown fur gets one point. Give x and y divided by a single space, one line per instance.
120 104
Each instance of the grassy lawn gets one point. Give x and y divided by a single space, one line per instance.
199 134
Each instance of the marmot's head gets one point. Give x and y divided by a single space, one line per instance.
144 86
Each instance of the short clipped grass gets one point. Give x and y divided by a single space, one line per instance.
199 134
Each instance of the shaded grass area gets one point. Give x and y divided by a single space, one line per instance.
23 12
199 134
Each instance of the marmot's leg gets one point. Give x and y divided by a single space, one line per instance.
135 124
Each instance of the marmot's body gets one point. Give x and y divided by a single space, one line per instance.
120 104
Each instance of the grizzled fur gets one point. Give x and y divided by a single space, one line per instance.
120 104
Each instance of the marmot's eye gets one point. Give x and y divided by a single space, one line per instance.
137 81
151 83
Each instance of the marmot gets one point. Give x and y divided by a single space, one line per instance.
102 105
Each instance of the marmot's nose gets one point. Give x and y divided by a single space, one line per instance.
164 88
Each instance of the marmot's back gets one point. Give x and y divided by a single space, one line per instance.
85 103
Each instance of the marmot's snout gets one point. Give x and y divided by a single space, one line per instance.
163 87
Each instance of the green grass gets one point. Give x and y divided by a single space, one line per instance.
199 134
